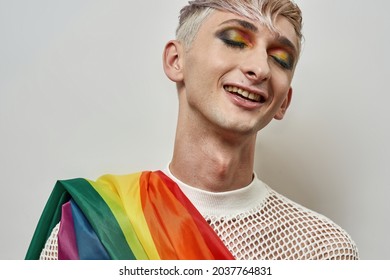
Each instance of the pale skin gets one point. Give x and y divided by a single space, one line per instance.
217 126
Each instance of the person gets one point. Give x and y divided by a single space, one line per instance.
233 62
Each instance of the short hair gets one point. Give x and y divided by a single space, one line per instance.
266 11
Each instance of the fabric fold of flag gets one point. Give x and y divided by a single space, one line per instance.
138 216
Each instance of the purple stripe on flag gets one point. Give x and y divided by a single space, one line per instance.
67 246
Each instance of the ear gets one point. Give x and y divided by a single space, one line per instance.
172 61
283 108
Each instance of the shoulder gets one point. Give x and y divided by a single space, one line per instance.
309 234
110 181
50 251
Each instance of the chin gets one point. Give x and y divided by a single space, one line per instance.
239 130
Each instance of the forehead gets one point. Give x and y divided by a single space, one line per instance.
283 27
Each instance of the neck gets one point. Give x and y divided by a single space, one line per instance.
212 162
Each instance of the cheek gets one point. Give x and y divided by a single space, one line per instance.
211 59
280 88
281 83
205 70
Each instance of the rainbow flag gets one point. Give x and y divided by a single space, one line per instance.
139 216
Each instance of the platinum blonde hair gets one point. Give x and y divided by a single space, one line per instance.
264 11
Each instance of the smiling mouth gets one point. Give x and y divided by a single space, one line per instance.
251 96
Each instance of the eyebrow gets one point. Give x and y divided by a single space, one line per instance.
243 23
251 27
286 42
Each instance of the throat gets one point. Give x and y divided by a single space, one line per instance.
213 172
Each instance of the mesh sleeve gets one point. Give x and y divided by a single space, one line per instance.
280 230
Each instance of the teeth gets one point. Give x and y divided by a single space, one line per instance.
244 93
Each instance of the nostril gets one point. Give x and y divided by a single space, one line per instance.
258 75
251 73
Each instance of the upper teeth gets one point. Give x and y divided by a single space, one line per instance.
244 93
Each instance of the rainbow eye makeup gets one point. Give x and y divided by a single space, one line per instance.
235 38
283 58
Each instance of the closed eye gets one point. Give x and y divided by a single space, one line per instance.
234 38
234 44
283 59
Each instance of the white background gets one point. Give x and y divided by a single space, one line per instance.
82 93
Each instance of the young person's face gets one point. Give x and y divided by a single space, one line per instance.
237 73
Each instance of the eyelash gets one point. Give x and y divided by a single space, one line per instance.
234 44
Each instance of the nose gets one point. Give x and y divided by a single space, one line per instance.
256 67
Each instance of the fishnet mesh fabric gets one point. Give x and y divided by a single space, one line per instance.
277 229
50 251
282 229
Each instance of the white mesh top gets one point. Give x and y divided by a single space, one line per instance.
256 222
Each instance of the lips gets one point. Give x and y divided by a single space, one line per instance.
245 94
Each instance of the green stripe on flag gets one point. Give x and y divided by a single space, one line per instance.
101 218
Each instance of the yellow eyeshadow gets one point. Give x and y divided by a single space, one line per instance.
239 37
282 55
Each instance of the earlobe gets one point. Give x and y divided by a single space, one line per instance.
283 108
172 61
